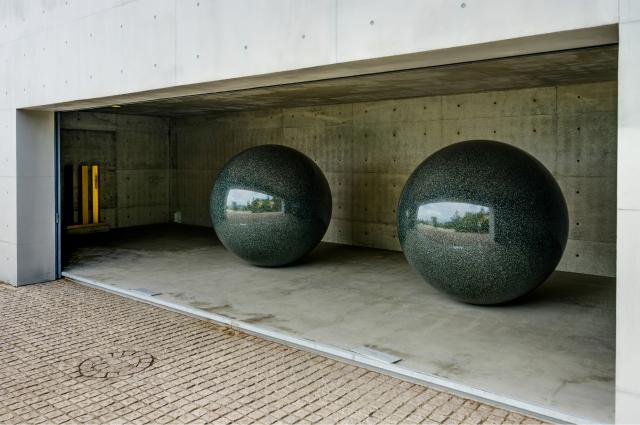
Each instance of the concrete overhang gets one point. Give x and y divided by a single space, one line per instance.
583 55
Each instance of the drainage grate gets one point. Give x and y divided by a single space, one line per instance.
115 364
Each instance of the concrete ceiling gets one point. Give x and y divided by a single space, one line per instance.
546 69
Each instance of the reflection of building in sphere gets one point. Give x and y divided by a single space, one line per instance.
270 205
482 221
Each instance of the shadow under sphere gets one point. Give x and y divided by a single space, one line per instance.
270 205
483 221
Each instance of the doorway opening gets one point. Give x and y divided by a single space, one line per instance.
552 352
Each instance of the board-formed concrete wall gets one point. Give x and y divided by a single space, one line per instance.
368 150
135 156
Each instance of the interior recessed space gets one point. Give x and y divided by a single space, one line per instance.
136 180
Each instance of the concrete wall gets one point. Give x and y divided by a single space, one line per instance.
628 289
110 47
135 156
31 193
69 54
368 150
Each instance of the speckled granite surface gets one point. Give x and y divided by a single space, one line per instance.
270 205
482 221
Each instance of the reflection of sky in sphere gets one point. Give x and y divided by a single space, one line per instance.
443 211
244 197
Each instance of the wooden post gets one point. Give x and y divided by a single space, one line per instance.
84 197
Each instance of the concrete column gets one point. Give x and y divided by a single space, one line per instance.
8 208
628 240
35 197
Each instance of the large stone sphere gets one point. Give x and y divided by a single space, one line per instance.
270 205
482 221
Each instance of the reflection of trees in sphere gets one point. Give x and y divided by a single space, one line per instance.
483 221
270 205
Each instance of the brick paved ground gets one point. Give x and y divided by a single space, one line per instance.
71 354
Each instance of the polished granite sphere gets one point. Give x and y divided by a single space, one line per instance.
270 205
482 221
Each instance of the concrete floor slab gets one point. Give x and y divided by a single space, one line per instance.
554 349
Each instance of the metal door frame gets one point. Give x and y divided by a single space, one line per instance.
58 200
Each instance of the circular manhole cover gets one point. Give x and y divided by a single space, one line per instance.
115 364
